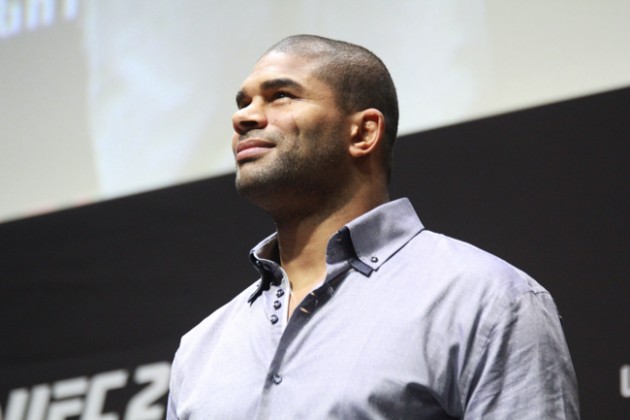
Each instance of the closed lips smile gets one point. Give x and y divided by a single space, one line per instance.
251 149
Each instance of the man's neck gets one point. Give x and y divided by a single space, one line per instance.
303 239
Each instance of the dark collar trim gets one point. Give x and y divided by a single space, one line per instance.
361 267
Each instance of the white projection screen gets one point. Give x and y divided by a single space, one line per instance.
105 98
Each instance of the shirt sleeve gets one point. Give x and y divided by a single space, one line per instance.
525 370
170 410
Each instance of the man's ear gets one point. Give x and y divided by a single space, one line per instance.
368 130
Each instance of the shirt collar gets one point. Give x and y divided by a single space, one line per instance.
366 242
381 232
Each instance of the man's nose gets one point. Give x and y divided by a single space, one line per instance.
248 118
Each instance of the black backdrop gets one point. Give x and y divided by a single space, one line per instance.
94 299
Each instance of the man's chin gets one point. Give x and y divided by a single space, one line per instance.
248 184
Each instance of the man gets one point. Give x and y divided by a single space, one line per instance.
359 312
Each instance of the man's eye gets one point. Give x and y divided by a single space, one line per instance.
280 95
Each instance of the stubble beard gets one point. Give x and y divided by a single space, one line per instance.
302 177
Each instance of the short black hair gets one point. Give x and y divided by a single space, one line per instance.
358 77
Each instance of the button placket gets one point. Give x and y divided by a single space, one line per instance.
277 302
276 305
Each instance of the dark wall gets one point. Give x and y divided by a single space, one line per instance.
101 294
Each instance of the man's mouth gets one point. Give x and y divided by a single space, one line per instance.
251 149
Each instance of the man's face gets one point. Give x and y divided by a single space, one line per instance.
290 136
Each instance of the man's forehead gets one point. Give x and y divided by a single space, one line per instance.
277 70
280 58
279 65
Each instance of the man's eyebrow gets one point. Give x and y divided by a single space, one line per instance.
280 83
272 84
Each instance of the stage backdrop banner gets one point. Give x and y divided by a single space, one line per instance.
93 300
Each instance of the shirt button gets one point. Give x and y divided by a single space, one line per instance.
374 259
273 319
276 379
279 293
277 304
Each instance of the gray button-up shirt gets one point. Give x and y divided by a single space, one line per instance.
407 324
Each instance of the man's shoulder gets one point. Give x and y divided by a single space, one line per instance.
470 265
